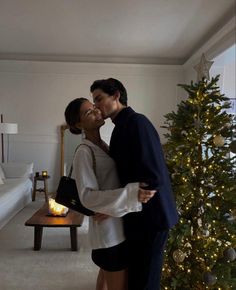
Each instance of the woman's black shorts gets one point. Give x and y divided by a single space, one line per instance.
111 259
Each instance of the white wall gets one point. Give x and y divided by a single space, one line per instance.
35 94
225 65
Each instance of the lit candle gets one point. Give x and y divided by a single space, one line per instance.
44 173
57 209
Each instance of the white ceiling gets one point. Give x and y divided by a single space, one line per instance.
132 31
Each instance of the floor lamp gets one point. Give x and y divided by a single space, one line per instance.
7 128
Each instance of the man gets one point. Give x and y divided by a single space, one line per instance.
135 147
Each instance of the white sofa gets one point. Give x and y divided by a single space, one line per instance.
15 189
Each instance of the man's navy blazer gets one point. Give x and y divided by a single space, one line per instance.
135 146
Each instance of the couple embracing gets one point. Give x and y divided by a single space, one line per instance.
129 189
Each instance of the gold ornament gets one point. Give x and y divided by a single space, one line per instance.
178 256
219 141
203 68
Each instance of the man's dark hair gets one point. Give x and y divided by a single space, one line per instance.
111 86
72 114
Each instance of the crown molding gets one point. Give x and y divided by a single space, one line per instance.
90 59
219 42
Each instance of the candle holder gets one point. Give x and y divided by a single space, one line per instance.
44 173
36 174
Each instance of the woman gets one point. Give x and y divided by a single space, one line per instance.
100 192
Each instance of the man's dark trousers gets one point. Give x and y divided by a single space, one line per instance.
146 255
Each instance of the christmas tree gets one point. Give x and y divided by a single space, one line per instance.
200 153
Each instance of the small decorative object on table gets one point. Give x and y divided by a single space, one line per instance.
37 174
56 209
44 173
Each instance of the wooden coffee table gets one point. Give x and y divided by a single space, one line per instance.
40 219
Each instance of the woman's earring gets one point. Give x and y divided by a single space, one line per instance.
82 133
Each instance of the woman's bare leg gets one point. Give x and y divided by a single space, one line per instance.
101 282
116 280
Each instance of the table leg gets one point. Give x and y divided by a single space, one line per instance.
38 233
73 238
46 189
34 190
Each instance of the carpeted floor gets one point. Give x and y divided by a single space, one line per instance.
53 267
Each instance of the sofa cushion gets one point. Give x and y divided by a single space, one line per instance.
15 194
17 170
2 175
13 185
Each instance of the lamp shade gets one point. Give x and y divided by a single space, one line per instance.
8 128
